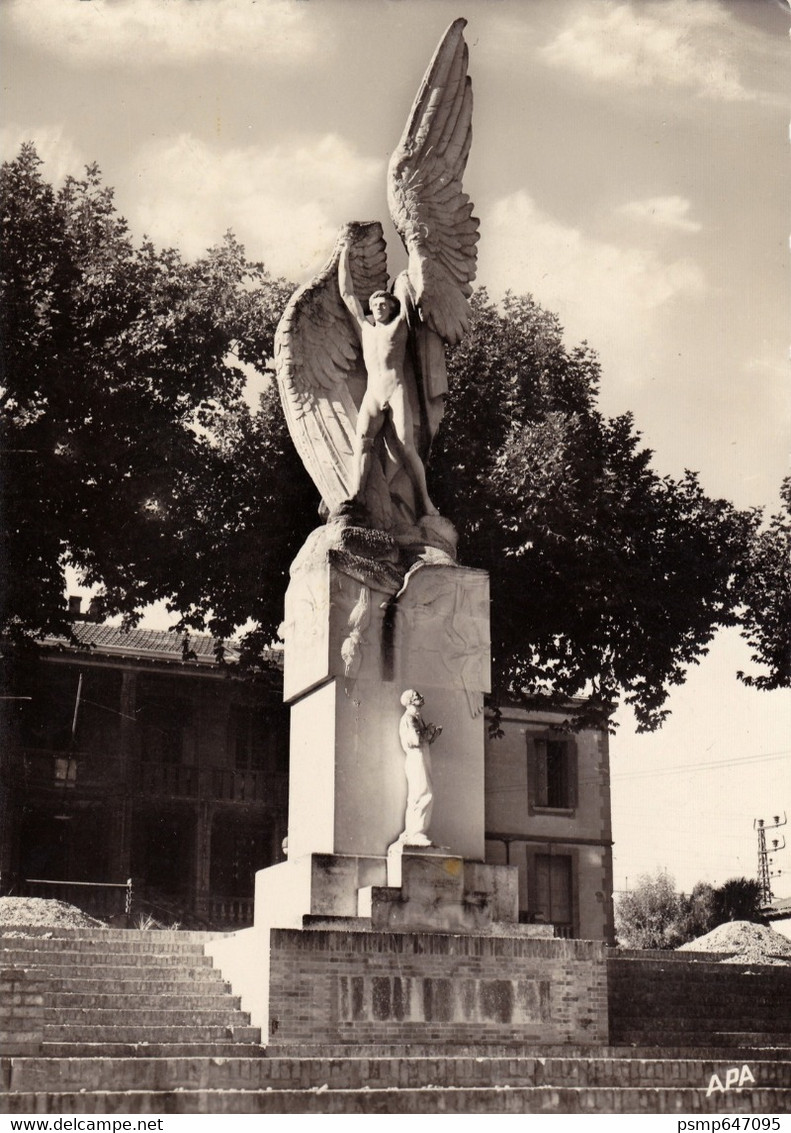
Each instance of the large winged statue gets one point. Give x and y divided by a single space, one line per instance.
361 368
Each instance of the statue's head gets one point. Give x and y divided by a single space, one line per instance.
412 697
383 306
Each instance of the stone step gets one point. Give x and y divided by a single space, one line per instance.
225 1049
91 954
158 1073
199 981
505 1099
111 968
150 1000
179 936
702 1036
160 1033
218 1016
652 1052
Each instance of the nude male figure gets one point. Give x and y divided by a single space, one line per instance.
384 344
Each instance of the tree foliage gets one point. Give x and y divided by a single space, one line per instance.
654 915
647 916
607 578
131 453
765 592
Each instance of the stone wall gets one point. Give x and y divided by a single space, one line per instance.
347 987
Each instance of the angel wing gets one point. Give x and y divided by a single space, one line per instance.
319 361
429 208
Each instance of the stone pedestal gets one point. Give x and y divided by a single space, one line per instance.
358 937
351 650
431 890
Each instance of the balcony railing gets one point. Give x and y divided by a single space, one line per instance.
66 771
219 784
564 931
173 779
236 912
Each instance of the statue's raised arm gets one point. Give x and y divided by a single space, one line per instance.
362 370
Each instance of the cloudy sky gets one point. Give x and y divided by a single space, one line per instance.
630 169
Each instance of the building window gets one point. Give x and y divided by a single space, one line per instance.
552 773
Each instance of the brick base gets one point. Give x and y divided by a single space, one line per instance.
352 988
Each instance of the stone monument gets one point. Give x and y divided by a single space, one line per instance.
385 851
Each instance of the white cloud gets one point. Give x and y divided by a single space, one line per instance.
689 44
285 203
138 33
603 292
666 212
55 148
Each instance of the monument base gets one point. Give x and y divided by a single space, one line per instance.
420 947
331 987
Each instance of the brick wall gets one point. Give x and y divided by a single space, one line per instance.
346 987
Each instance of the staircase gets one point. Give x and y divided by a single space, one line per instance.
139 1022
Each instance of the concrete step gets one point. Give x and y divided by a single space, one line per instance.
149 1000
137 947
702 1036
160 1033
158 968
163 1073
179 936
505 1099
226 1049
144 1019
88 958
197 981
651 1052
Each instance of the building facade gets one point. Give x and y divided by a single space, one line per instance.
547 801
133 758
129 758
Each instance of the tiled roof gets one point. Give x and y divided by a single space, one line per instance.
145 643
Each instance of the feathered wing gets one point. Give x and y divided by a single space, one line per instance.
319 363
430 210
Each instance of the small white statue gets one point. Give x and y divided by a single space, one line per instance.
416 737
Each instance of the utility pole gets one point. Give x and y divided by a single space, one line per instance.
765 872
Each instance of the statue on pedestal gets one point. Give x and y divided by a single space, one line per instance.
376 599
416 737
361 369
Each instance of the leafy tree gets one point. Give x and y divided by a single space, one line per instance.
765 593
738 900
697 915
129 451
647 916
606 577
131 454
653 915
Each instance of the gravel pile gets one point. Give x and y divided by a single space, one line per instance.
26 911
750 943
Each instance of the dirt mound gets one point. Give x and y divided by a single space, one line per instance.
27 911
750 943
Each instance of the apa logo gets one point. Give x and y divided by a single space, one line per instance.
734 1079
